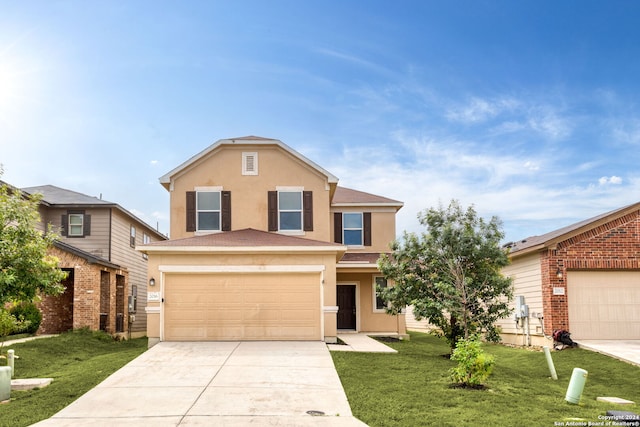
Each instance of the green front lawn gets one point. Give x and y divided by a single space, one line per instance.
412 387
77 361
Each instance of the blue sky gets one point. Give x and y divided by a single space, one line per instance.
526 109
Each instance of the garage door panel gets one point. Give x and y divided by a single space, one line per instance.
221 306
604 304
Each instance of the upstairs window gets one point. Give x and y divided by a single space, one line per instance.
132 236
290 210
145 241
75 223
352 229
208 211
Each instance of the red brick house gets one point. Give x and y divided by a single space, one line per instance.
584 278
105 272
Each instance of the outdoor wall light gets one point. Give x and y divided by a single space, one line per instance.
152 282
559 274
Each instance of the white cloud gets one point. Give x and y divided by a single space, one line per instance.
547 121
627 132
479 110
532 166
615 180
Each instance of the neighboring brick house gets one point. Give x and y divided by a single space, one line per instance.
266 246
584 278
97 248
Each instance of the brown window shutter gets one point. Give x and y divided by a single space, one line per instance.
86 225
272 210
337 227
226 210
366 220
64 225
307 207
191 211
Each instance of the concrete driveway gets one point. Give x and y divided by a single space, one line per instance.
626 350
217 383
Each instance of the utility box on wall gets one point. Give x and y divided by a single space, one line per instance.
133 303
522 309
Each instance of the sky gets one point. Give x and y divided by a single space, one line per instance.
527 110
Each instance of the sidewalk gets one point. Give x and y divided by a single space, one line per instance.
21 340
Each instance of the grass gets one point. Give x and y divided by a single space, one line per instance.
412 387
77 361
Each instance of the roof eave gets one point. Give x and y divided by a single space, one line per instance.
240 249
398 206
527 251
554 241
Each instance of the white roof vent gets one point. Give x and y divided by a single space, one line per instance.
249 163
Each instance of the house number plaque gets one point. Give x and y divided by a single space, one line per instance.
153 296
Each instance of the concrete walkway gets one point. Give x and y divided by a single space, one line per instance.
625 350
217 383
21 340
360 342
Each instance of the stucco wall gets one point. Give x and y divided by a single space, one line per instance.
276 168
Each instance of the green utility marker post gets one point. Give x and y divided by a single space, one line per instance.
576 385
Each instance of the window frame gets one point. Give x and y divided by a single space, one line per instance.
300 211
217 190
374 281
345 228
146 239
69 225
132 236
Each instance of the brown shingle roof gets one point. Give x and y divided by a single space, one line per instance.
361 257
243 238
346 196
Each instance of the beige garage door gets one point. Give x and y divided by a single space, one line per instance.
604 305
238 306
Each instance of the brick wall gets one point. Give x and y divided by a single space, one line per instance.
80 305
611 246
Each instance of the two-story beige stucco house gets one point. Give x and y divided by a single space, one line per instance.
266 246
106 279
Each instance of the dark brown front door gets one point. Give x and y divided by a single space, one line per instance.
346 297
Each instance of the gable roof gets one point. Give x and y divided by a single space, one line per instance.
165 179
552 238
243 240
348 197
62 198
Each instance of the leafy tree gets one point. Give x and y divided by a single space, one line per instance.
451 273
26 269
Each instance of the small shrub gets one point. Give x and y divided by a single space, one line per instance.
28 317
7 323
474 365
